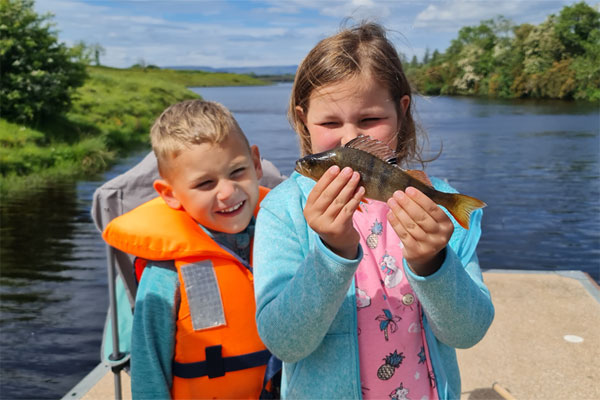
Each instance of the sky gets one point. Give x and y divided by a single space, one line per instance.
250 33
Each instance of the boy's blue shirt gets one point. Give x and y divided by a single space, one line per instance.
306 305
153 334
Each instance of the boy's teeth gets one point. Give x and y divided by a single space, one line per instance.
230 209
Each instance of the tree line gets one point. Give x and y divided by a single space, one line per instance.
559 58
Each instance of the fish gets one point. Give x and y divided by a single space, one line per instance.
381 176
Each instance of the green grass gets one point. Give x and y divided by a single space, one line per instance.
111 115
195 78
28 159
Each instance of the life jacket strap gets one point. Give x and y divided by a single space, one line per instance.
272 381
216 365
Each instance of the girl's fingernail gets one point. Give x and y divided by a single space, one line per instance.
334 169
399 194
347 171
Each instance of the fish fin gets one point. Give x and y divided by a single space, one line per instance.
419 175
374 147
462 206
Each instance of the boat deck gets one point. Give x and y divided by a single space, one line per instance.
544 343
533 348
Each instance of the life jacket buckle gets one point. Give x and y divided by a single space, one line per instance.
214 361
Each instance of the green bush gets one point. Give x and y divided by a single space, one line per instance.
559 58
38 75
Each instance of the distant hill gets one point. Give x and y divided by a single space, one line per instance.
264 70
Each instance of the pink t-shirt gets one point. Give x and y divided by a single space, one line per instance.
394 359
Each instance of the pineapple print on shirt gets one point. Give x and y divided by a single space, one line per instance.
376 231
392 361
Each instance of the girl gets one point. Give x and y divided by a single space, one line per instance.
363 304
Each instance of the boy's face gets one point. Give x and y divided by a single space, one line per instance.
216 184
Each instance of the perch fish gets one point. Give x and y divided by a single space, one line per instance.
381 176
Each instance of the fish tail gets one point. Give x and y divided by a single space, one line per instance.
461 206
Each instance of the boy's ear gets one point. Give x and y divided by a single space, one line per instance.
300 114
166 192
256 161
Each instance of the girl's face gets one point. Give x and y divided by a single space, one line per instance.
340 112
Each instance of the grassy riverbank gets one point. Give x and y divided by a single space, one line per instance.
111 115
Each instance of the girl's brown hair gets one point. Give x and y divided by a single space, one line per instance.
347 54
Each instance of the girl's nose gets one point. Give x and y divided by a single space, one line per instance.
350 132
226 190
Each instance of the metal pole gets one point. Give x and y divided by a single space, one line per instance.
112 298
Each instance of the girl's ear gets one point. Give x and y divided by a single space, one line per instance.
300 114
256 161
404 103
166 192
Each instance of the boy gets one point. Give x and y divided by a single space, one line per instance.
194 332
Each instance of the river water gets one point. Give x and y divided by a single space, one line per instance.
536 165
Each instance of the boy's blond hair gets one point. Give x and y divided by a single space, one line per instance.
188 123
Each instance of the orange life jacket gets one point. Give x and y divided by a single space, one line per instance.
224 357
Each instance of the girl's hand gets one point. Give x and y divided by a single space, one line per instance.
329 210
423 228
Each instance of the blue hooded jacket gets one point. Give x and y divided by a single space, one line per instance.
306 302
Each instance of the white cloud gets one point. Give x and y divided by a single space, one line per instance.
451 15
227 33
457 13
333 8
357 9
